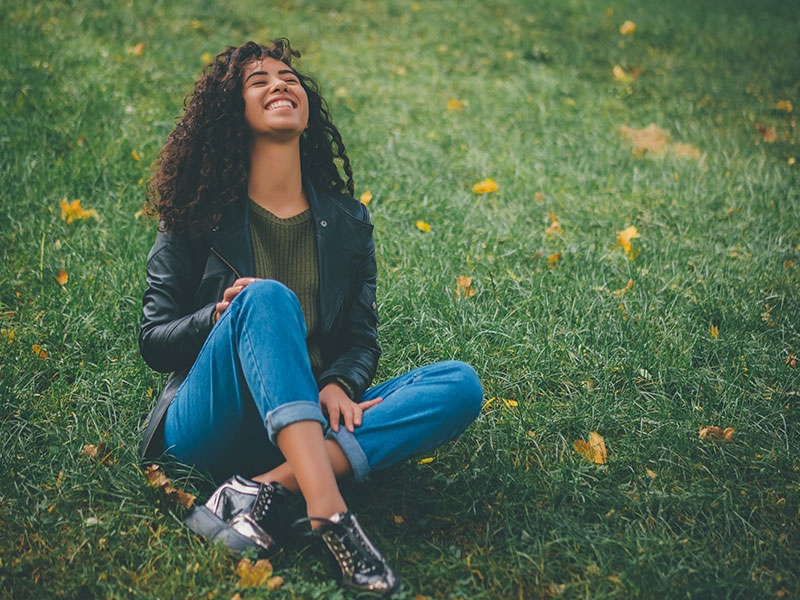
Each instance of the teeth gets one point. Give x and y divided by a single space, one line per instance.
279 104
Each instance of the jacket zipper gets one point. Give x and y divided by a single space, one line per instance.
229 265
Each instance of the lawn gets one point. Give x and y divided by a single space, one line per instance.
695 324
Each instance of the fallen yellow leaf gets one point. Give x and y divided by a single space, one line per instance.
73 210
555 225
454 104
553 259
155 477
594 449
650 139
138 49
651 474
784 105
39 351
206 58
538 197
627 28
716 434
424 461
714 331
464 287
621 75
366 197
621 291
510 403
687 151
135 155
484 187
253 574
624 238
767 133
62 277
423 226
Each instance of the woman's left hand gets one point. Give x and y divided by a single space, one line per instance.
337 406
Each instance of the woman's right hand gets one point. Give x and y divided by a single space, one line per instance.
230 294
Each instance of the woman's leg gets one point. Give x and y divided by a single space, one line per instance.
421 410
250 384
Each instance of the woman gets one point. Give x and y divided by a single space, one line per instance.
261 302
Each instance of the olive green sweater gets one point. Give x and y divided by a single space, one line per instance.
285 250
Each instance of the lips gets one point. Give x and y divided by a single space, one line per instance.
280 103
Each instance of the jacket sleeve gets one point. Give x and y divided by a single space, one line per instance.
359 350
172 330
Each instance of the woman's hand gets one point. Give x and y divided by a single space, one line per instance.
230 293
337 405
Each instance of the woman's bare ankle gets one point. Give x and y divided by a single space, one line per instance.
324 509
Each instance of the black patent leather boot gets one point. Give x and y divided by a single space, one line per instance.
244 514
351 558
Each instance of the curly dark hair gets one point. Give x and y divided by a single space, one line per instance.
204 164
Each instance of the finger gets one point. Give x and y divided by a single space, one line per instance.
244 281
349 418
221 306
357 415
369 403
333 417
231 292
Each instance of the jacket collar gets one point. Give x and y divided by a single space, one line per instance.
340 236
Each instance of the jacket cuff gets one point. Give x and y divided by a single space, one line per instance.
346 386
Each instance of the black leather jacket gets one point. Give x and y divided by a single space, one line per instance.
187 276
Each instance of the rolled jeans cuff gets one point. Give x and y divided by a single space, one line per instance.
352 450
292 412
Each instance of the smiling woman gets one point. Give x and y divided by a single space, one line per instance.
261 301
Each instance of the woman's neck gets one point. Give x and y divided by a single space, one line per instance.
275 180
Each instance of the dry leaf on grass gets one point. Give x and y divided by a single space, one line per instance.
39 351
624 238
155 477
687 151
257 574
784 105
594 449
464 287
553 259
98 453
627 28
716 434
654 140
621 291
366 198
767 133
555 225
423 226
621 76
73 210
484 187
62 277
454 104
650 139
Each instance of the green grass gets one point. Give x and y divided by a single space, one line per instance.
509 510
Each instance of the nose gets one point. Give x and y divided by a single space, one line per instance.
277 85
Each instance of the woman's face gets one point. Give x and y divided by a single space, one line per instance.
275 104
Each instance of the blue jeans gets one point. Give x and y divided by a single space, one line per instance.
253 377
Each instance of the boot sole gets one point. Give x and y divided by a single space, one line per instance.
208 525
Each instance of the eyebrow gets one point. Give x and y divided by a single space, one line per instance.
281 72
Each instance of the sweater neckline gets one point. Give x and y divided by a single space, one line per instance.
263 214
